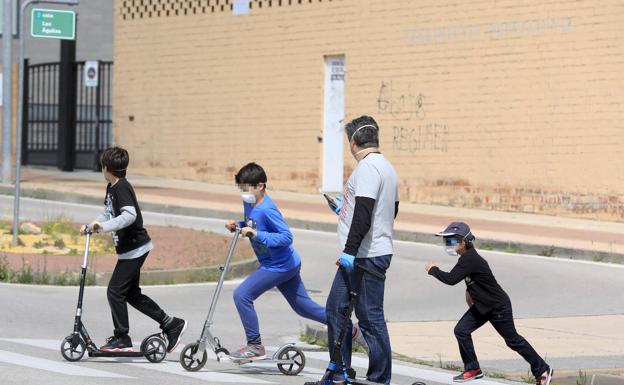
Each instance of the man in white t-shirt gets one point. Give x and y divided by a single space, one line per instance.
369 205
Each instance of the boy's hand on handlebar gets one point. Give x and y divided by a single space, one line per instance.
231 225
95 227
248 232
429 265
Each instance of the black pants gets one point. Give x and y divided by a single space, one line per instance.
502 320
123 288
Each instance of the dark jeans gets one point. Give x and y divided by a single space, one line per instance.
502 320
369 312
124 288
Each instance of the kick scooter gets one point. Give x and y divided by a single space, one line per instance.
289 359
336 364
74 346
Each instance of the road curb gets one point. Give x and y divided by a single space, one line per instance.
402 235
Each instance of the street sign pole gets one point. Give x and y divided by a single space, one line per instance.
7 90
20 108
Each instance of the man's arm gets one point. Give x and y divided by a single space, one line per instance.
360 225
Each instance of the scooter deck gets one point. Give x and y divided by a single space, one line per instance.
243 361
99 353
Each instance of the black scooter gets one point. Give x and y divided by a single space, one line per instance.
74 346
336 363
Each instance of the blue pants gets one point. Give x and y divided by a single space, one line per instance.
292 288
369 312
503 322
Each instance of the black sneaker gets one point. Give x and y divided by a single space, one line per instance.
468 375
174 331
545 378
117 344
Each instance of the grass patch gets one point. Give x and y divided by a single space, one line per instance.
511 249
581 379
59 225
59 243
528 378
547 251
487 246
39 245
27 275
448 365
597 258
308 339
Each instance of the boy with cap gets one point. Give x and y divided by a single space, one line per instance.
488 302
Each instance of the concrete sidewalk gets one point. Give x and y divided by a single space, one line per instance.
514 232
569 344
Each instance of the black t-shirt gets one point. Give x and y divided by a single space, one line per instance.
119 195
486 293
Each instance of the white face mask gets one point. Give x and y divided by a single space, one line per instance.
248 197
450 250
355 154
449 246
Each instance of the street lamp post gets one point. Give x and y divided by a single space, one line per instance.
20 109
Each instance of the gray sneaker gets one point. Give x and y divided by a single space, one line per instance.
249 352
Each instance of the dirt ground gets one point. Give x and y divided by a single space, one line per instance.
174 248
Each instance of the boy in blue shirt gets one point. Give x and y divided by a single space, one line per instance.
280 264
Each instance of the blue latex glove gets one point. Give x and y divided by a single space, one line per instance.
336 205
346 260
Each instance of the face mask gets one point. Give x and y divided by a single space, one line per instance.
449 246
355 154
248 197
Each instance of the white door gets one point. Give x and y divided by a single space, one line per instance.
333 122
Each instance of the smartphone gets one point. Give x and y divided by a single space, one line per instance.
331 202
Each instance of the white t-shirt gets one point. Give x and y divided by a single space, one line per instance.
374 177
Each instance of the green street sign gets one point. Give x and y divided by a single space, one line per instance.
53 24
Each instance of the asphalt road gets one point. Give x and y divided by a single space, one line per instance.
34 319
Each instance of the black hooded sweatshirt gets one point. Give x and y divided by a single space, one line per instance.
486 293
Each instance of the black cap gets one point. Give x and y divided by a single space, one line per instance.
458 229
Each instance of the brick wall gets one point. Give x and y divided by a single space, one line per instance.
497 104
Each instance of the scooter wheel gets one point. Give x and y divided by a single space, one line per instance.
155 349
72 351
297 358
190 359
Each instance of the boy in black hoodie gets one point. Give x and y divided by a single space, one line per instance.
488 303
122 217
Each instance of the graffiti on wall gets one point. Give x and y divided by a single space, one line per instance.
412 132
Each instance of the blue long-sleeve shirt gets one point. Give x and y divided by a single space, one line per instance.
273 241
